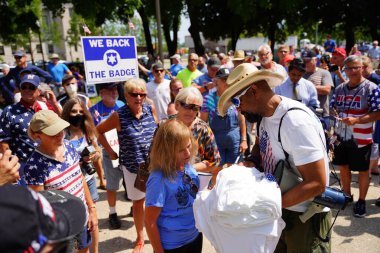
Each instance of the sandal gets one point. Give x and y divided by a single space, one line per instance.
102 187
138 247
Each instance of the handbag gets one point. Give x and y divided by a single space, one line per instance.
143 171
142 176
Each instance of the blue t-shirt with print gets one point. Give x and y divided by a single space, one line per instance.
101 112
176 223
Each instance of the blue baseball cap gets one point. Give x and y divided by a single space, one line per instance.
30 78
19 53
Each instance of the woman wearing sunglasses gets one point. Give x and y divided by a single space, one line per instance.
171 190
135 123
188 103
230 131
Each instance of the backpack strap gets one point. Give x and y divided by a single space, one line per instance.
279 128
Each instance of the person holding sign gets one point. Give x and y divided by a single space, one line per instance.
100 112
135 124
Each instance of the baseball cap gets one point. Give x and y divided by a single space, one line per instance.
47 122
19 53
107 85
29 220
340 51
308 54
30 78
222 73
175 56
289 58
213 62
157 65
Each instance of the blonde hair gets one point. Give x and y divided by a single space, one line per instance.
186 94
366 61
135 83
169 139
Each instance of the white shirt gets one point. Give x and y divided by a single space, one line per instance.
160 94
302 137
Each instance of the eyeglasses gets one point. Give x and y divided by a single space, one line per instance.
159 71
135 95
263 54
186 179
194 108
352 68
28 87
236 99
193 60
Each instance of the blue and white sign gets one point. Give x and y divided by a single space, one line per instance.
109 59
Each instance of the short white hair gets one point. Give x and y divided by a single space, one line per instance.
5 66
184 95
264 47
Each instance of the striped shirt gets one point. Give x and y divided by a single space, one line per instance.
41 169
357 102
135 136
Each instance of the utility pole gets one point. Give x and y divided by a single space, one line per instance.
159 35
42 48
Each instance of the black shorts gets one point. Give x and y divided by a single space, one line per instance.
356 158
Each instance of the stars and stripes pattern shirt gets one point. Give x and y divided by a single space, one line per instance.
363 99
14 123
42 169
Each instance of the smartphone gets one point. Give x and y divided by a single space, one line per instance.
47 95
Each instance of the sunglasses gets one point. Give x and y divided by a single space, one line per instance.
135 95
194 108
18 57
352 68
236 99
186 179
159 71
28 87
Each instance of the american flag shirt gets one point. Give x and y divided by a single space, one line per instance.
41 169
14 123
357 102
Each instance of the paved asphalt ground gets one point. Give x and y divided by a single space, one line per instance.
350 234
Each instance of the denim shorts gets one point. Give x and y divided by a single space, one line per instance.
93 190
114 176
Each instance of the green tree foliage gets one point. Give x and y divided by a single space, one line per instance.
17 18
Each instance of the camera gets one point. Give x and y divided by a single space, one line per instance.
333 198
333 68
87 167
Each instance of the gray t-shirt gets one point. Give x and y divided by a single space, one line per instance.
321 77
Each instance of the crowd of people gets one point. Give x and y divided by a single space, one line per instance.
188 120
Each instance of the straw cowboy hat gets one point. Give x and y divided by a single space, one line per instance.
241 78
239 55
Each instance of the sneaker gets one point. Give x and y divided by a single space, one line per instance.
114 221
359 209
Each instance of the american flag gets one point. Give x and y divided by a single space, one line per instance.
86 30
131 25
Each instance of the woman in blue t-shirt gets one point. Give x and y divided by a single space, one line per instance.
171 190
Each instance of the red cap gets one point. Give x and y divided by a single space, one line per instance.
340 51
289 58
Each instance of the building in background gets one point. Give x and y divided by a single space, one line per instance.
61 26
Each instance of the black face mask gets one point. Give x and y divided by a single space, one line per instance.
76 120
251 117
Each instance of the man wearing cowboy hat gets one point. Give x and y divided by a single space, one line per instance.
302 138
57 69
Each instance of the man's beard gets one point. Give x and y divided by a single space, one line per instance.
251 117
